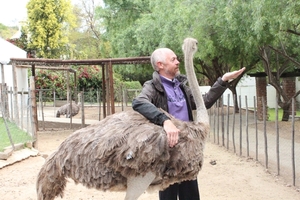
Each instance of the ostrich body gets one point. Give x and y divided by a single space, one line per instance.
125 151
69 109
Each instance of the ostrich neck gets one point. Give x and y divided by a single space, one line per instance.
202 115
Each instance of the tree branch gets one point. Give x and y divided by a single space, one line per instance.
285 55
293 32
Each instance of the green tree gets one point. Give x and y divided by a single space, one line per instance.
221 47
277 27
119 19
140 72
231 34
263 29
86 36
21 42
165 24
49 23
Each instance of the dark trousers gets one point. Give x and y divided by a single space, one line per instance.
187 190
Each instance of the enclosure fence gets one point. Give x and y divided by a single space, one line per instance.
276 148
47 107
15 120
274 144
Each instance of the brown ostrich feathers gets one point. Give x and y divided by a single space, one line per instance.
102 155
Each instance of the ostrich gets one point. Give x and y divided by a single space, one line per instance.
68 110
126 152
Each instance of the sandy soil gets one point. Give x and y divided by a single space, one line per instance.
231 178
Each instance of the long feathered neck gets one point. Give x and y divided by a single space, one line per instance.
189 49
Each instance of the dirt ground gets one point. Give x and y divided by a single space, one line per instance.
230 178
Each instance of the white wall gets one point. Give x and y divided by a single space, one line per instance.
8 51
22 84
22 77
246 88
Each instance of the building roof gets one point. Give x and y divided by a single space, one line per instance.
8 50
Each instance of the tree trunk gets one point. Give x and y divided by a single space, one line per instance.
235 99
286 112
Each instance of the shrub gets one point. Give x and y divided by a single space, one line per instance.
49 81
89 79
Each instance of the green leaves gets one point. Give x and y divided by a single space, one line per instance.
49 23
229 33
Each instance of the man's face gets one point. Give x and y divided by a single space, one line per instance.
169 68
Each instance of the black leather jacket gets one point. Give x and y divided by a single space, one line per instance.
153 96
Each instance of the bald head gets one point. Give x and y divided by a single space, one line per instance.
159 55
165 62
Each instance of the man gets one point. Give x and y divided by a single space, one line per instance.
167 90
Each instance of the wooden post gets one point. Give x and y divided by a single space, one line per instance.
69 100
233 123
107 89
11 103
111 88
2 88
4 93
293 142
54 102
71 108
103 91
256 129
241 126
82 109
265 132
2 74
22 107
227 125
34 107
15 94
75 88
99 101
42 107
34 122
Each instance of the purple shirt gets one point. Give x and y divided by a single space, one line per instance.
176 100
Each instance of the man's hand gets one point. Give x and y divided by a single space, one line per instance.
232 75
172 132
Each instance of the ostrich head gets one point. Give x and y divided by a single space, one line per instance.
189 48
57 114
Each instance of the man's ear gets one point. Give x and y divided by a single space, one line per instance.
160 65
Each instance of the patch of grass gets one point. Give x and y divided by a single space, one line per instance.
17 135
272 114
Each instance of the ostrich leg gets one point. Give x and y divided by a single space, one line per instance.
137 185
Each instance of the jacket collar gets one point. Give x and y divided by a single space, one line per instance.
157 81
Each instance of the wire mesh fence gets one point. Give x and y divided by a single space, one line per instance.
15 119
275 144
90 108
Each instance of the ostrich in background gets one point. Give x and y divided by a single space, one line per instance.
69 109
126 152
